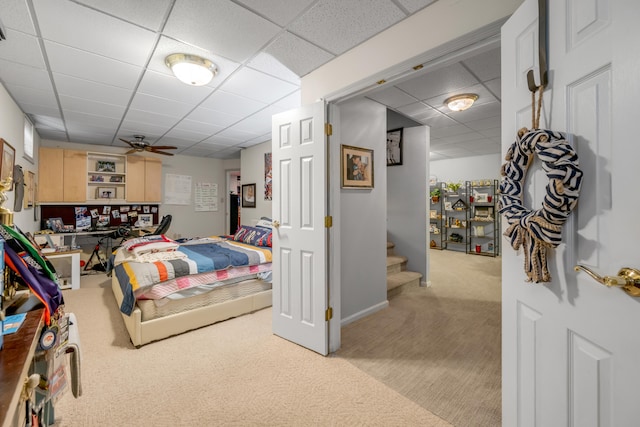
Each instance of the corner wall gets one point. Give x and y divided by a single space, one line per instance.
407 200
363 225
252 172
12 131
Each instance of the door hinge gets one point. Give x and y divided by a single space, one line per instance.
328 221
328 315
328 129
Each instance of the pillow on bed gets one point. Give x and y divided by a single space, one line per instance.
256 236
264 222
149 244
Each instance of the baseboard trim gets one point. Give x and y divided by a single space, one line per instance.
364 313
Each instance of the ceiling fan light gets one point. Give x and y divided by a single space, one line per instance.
461 102
191 69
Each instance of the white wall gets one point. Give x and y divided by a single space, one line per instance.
407 188
363 214
252 167
186 222
12 131
467 168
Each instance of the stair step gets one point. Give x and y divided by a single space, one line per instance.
396 264
390 246
397 282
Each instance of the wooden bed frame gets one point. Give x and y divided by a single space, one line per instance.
156 329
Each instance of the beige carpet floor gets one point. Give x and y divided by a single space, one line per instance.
439 346
235 373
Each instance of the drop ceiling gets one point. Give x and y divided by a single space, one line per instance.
92 71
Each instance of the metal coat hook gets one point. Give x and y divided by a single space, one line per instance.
542 48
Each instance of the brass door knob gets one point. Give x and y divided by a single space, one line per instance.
276 223
627 279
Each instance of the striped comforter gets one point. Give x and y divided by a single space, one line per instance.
207 262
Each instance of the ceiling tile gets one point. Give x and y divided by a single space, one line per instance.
198 127
185 134
255 85
440 81
279 11
70 103
495 87
81 88
221 27
22 48
477 112
147 13
393 97
131 127
159 120
447 131
290 102
233 104
297 55
338 25
22 75
485 66
415 5
85 65
484 124
213 117
63 22
15 15
164 106
27 95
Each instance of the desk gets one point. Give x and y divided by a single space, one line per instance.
67 265
15 360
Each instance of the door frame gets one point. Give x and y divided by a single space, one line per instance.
483 39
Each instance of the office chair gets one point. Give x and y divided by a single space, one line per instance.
163 227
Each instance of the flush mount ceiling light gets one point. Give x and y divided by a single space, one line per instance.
460 102
191 69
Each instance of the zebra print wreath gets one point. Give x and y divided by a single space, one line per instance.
539 229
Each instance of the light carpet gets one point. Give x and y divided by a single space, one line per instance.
439 346
235 373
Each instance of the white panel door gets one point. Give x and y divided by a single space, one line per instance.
299 245
571 346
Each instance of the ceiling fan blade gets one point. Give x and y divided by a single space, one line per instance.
164 147
133 150
128 142
153 150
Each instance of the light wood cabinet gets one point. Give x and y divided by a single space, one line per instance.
144 179
61 175
90 177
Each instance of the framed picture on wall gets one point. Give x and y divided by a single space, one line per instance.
356 167
249 196
394 147
7 162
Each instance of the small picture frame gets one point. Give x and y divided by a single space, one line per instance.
115 178
106 193
249 196
394 147
433 214
7 163
145 220
56 224
105 166
482 198
356 167
448 206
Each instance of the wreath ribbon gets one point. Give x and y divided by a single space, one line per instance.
537 230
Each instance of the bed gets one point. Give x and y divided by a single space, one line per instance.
164 288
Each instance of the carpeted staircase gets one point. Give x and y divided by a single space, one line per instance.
398 278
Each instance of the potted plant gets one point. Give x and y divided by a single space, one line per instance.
435 195
454 186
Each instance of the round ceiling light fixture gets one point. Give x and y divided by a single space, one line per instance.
191 69
461 102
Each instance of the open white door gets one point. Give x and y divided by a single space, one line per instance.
299 244
571 346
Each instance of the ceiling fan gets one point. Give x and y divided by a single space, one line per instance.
139 144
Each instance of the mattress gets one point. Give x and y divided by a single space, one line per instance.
154 309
